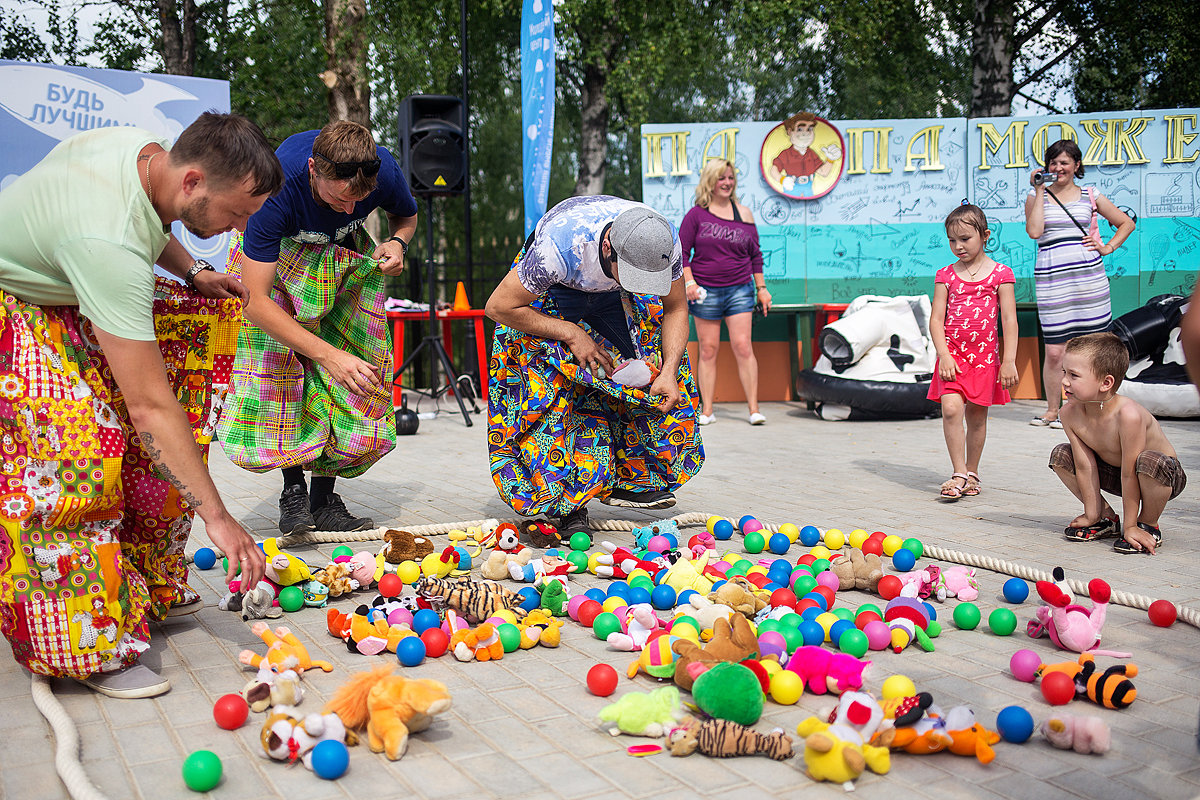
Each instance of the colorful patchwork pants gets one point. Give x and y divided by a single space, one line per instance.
91 536
283 410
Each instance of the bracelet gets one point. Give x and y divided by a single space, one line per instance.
760 288
686 284
403 244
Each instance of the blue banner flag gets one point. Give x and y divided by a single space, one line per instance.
537 105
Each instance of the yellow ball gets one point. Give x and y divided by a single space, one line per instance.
686 630
408 571
770 666
834 539
819 551
711 521
826 619
732 557
506 615
898 686
613 603
593 562
757 569
857 537
634 573
786 687
789 530
891 544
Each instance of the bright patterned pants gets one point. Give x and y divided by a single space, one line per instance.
91 536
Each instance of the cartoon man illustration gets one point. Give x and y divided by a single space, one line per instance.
793 169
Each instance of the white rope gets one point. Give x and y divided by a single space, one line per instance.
66 756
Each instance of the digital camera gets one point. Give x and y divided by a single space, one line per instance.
1044 177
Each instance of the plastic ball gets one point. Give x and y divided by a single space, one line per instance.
772 643
933 629
914 546
872 547
602 680
861 618
723 530
857 537
783 598
410 651
1162 613
686 628
230 711
510 637
639 595
1024 665
839 629
903 560
711 522
809 535
407 571
966 616
425 619
826 621
330 759
1058 688
891 544
754 542
614 602
778 543
889 587
786 687
342 550
878 634
755 527
391 584
399 616
1014 724
854 642
770 666
814 599
834 539
930 611
663 597
819 565
744 521
436 642
898 686
581 541
803 583
796 637
205 558
1002 622
820 553
605 624
617 588
291 598
685 596
452 625
790 531
658 544
202 771
828 579
843 613
1015 590
578 560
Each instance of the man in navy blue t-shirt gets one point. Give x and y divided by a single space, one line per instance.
334 180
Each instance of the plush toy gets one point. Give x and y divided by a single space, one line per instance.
728 691
316 594
723 739
921 584
481 643
643 535
389 706
507 553
269 688
545 568
363 568
705 612
968 737
284 651
688 574
540 627
733 641
1082 734
859 570
554 598
839 751
656 658
540 533
401 546
741 595
288 736
284 568
474 601
640 623
650 713
365 631
618 562
958 582
337 578
1111 688
1070 626
824 671
258 603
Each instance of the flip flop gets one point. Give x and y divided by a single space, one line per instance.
1127 547
1106 528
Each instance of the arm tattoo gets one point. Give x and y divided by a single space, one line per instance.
156 456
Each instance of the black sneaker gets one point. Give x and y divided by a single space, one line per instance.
333 516
575 522
627 499
294 516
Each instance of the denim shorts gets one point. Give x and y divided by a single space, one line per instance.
725 301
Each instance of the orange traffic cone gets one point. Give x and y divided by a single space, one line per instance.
461 303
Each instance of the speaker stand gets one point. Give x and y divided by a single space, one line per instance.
433 338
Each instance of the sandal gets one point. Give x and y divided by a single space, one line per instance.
972 487
951 490
1106 528
1127 547
1041 422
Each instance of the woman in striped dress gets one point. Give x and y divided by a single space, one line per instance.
1072 289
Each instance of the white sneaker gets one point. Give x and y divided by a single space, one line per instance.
132 682
707 419
757 418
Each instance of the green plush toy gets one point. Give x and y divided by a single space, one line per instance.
554 598
645 713
729 691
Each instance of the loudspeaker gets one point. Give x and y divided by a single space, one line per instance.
432 146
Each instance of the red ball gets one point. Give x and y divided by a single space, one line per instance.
390 585
807 559
804 603
1163 613
878 536
436 641
873 547
758 579
588 611
783 597
1058 688
862 619
230 711
829 594
889 587
602 680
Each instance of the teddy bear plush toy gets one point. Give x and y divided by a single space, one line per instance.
337 576
733 641
508 557
1082 734
705 612
741 595
540 533
269 688
401 546
859 570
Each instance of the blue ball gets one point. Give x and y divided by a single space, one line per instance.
929 609
596 593
838 628
810 536
723 529
1015 589
770 587
811 614
533 598
1014 724
903 560
663 597
819 599
673 539
331 758
685 596
425 619
742 522
205 558
812 632
410 651
638 595
778 543
718 584
618 589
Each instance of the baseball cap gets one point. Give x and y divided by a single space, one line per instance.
643 242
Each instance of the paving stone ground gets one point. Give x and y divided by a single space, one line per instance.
525 726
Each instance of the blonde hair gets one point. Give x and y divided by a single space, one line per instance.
342 141
712 171
1106 353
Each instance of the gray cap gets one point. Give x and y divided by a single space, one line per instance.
643 242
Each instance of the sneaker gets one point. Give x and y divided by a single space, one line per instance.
333 516
707 419
294 515
575 522
1056 424
184 609
757 418
652 499
130 683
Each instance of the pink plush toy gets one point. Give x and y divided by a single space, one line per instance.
922 584
958 582
640 624
1072 627
1081 734
824 671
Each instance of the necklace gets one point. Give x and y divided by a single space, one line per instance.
974 272
150 186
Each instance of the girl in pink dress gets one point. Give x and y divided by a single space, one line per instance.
969 298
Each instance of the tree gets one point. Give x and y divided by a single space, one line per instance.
345 75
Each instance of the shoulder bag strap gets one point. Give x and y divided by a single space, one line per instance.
1068 213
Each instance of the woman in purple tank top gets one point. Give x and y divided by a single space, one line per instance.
723 273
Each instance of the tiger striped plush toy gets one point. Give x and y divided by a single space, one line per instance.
723 739
474 601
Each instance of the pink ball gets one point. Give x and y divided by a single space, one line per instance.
879 635
1024 664
827 578
400 616
658 544
459 624
573 605
771 644
752 526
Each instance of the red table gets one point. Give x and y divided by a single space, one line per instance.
398 318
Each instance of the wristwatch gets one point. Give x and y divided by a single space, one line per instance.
403 244
198 266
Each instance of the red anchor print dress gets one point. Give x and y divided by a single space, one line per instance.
973 336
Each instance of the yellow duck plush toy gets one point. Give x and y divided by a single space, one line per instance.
283 568
837 751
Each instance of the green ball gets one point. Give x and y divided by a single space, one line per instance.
581 541
754 542
641 581
736 570
291 598
578 560
690 620
605 623
791 620
915 547
793 637
510 636
934 629
202 771
1002 621
820 565
342 550
966 616
853 643
804 584
843 613
869 607
768 625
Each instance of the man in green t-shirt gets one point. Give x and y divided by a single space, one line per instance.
100 471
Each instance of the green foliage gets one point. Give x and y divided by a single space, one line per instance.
20 41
